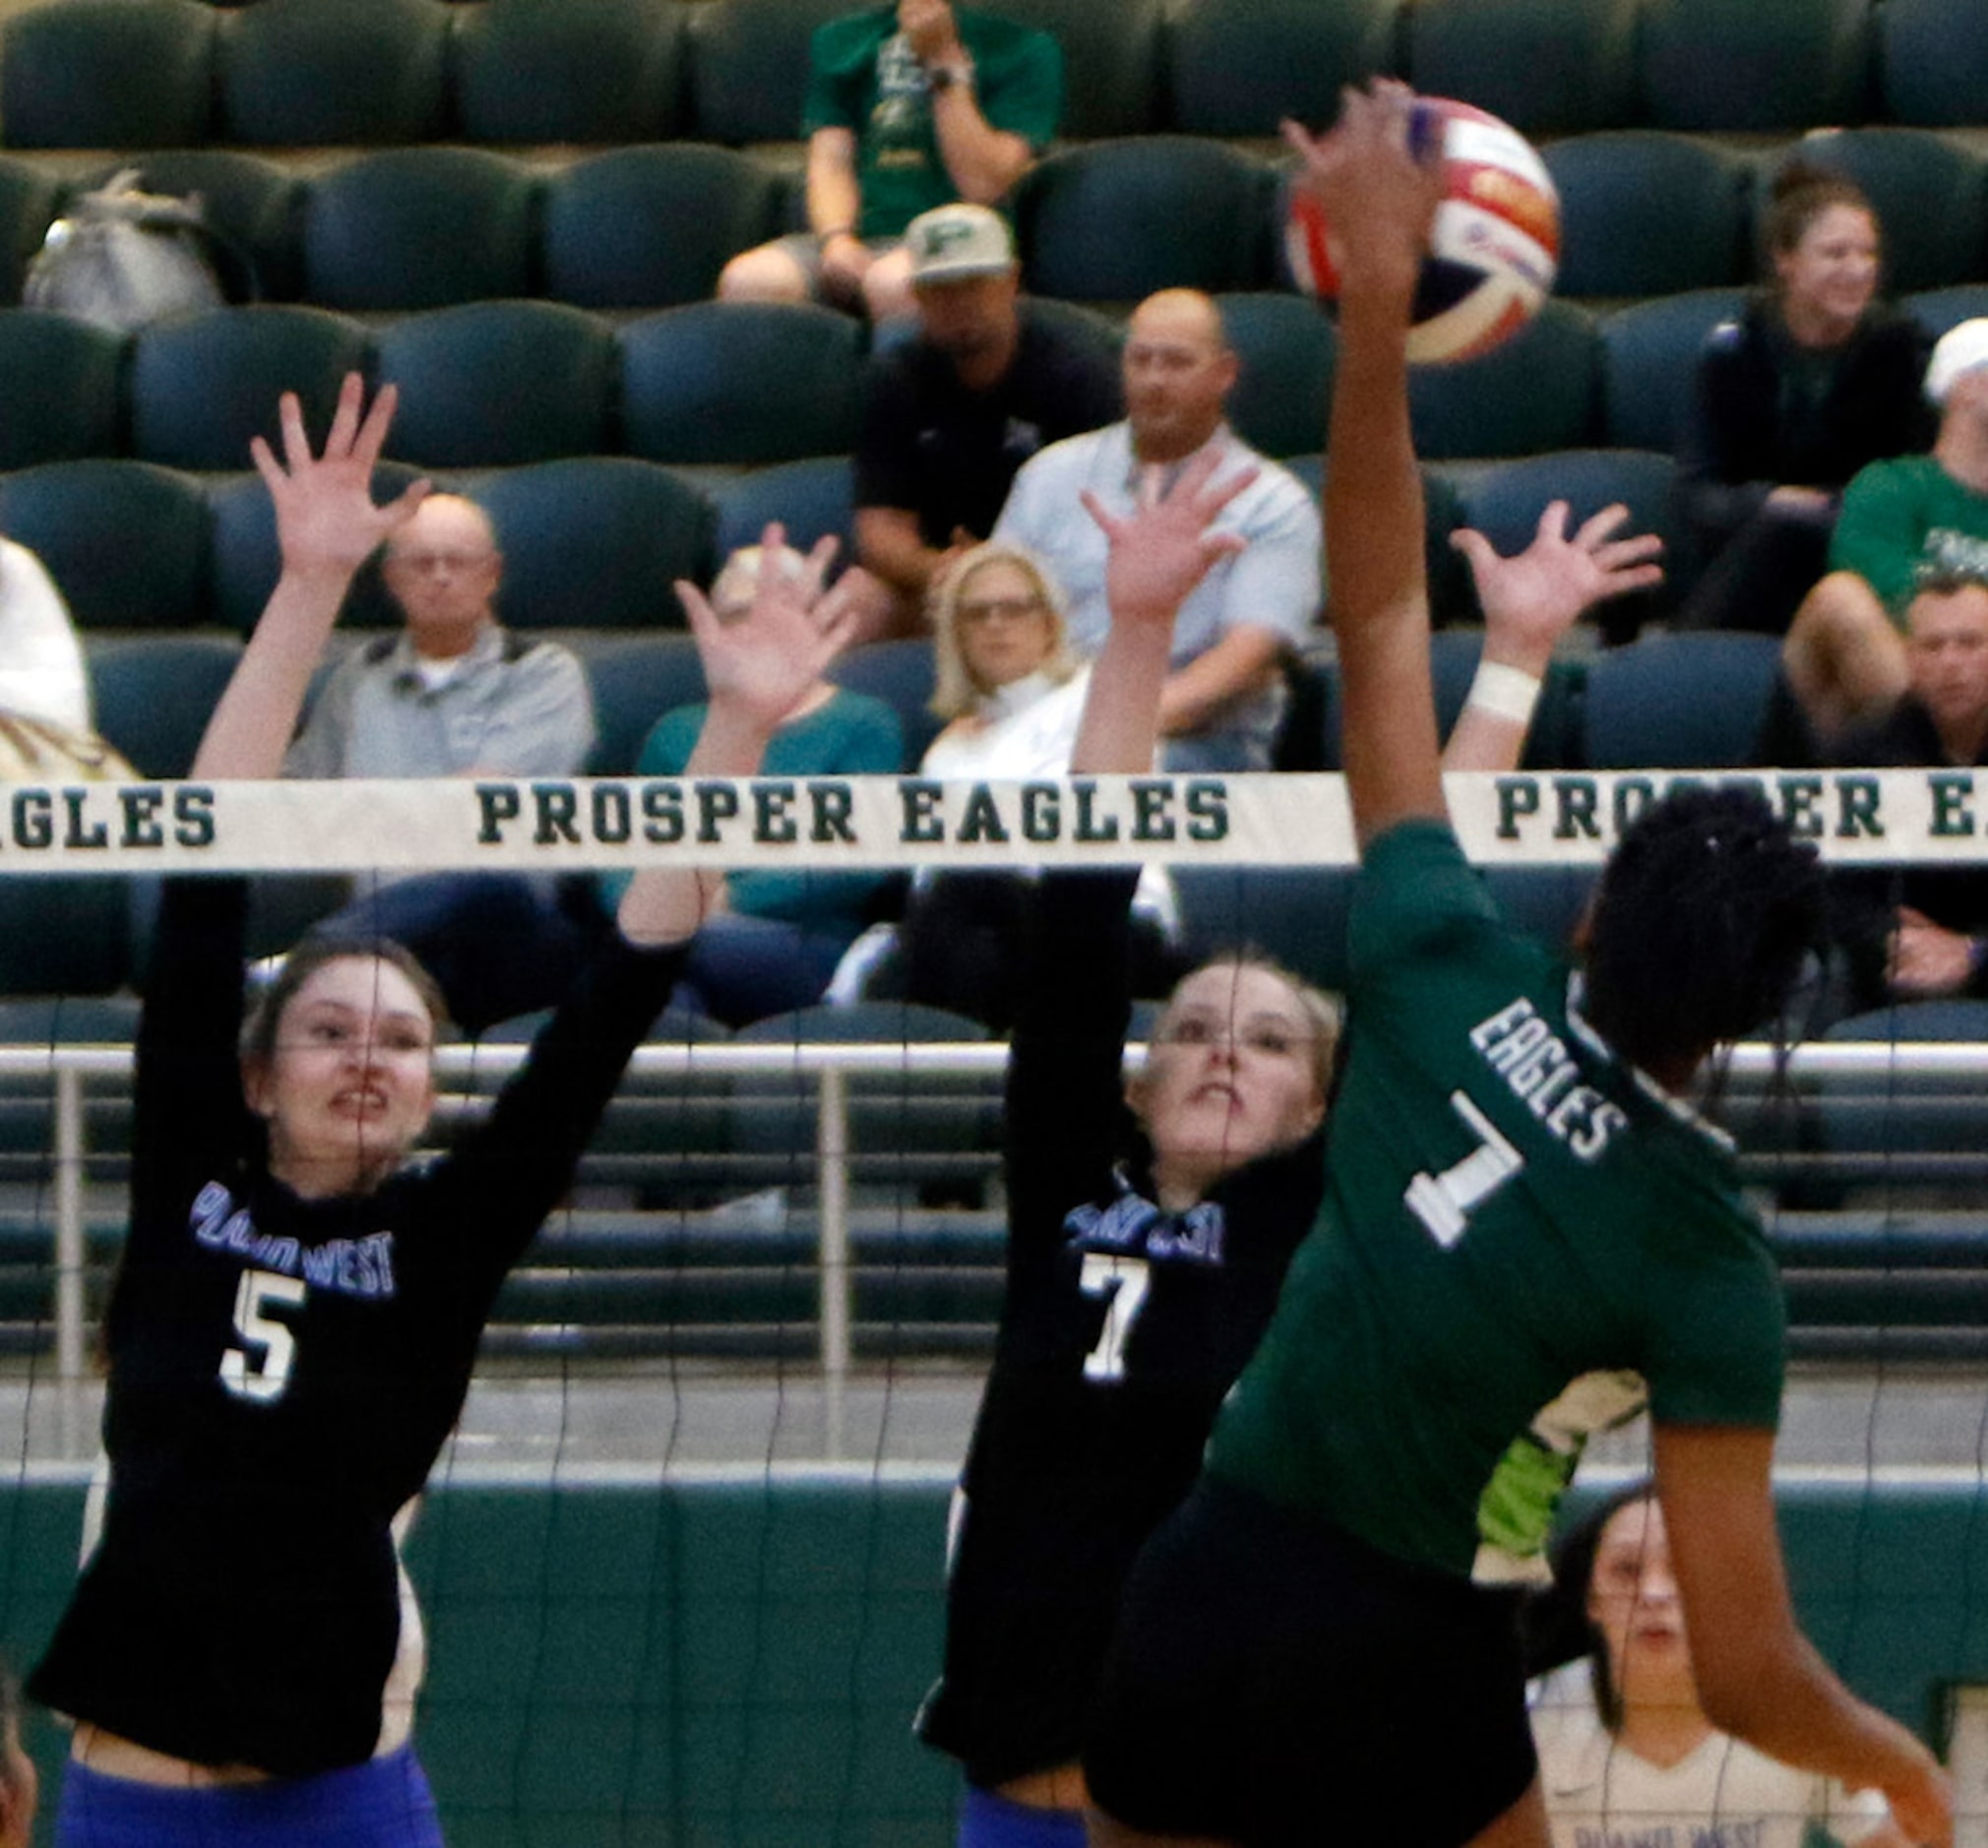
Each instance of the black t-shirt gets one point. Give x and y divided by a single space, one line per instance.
949 455
283 1371
1122 1329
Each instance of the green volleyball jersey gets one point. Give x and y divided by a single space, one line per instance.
1507 1206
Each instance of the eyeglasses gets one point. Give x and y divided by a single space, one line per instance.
1012 609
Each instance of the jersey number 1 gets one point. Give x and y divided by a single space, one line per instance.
262 1379
1443 1202
1123 1282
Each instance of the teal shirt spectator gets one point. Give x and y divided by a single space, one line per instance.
852 734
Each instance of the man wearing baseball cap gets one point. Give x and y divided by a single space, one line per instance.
910 105
1845 653
950 417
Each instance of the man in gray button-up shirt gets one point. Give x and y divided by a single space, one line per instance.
455 695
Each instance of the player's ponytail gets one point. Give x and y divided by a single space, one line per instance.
1707 914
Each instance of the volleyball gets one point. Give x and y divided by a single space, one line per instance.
1495 246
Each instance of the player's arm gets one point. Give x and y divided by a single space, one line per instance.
1379 201
326 526
1759 1678
1530 600
1159 552
756 669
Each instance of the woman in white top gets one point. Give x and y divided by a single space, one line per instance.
42 670
1627 1757
1012 689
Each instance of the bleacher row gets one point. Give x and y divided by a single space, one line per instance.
134 73
651 225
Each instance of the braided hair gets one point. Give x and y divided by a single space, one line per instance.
1705 916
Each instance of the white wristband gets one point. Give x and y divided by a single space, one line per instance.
1506 692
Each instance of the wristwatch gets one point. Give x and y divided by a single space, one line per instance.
942 77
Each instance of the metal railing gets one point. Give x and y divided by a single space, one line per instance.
1751 1071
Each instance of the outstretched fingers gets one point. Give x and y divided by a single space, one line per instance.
345 418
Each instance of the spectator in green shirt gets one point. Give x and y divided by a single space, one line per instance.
909 106
1845 653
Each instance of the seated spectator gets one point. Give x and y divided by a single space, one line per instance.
1919 933
1224 694
41 671
454 694
1815 379
1013 692
1632 1759
779 936
949 418
1845 653
909 106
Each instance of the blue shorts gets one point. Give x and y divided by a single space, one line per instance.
990 1822
385 1802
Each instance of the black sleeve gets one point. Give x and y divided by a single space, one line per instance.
1720 480
1065 1089
189 1120
887 451
495 1190
1862 907
1896 419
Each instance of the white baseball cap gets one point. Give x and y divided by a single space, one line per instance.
952 242
1962 348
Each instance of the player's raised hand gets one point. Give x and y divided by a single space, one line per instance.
1533 597
325 520
1168 543
1377 190
760 662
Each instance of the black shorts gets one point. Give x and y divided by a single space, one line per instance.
1276 1682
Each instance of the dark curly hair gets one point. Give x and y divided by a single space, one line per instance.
1703 921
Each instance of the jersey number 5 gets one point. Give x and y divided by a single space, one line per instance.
1443 1202
1123 1282
261 1379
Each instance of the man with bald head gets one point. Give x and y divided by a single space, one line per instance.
454 694
1224 689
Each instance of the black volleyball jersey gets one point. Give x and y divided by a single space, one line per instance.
282 1371
1122 1329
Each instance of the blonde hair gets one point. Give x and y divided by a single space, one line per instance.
1322 1012
955 690
733 588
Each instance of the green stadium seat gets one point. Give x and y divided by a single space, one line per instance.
1296 915
61 382
1937 310
1114 220
901 675
155 694
333 73
1548 67
125 541
811 499
1933 62
1679 702
107 74
1930 194
749 67
1539 391
255 203
1546 902
202 384
571 71
1239 67
1287 348
492 384
741 383
1647 214
651 227
1113 69
420 227
1649 361
28 200
596 542
1739 65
